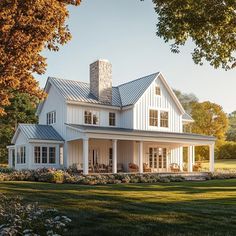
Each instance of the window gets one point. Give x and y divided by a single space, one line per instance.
21 155
51 117
112 118
52 155
110 156
91 117
153 118
158 90
164 119
37 154
44 155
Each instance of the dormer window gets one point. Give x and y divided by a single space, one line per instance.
91 117
158 90
51 117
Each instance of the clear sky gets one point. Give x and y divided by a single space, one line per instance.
124 33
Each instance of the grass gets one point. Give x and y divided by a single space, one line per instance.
222 164
186 208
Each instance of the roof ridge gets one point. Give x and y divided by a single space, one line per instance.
137 79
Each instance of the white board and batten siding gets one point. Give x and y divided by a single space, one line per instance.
55 102
149 100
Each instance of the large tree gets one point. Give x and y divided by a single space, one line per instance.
231 133
21 110
209 24
26 28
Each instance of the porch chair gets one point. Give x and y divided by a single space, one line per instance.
197 166
133 167
174 167
146 168
120 167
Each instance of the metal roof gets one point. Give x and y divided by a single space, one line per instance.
123 95
186 116
41 132
144 132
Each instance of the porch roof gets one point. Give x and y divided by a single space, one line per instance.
142 133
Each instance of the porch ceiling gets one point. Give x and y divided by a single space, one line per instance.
140 135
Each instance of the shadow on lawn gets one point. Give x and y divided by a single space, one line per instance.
139 209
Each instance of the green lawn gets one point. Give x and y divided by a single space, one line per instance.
222 164
186 208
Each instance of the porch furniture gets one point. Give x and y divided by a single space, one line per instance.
197 166
174 167
133 167
146 168
120 167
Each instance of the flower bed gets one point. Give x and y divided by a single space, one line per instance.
20 218
67 176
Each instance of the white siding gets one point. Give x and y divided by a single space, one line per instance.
150 100
54 102
126 119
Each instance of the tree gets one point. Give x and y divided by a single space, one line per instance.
209 24
186 100
209 119
26 28
231 133
21 110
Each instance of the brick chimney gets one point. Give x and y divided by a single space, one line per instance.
101 80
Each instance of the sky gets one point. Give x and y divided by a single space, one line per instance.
124 33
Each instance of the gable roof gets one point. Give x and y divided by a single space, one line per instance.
187 117
123 95
37 132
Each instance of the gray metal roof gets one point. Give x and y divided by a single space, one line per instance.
186 116
41 132
145 132
123 95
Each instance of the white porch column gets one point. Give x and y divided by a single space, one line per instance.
211 157
114 156
190 159
85 155
193 149
9 150
140 154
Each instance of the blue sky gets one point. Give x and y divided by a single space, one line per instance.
124 33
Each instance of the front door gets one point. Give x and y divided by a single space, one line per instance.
157 159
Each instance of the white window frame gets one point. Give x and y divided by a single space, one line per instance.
20 159
93 112
158 127
157 86
51 117
41 146
111 112
168 118
155 118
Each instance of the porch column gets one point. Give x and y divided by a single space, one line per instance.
114 156
211 157
193 147
190 159
10 157
85 155
140 153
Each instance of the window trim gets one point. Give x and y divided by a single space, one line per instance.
168 119
109 118
93 112
41 146
53 119
159 89
158 127
156 118
19 156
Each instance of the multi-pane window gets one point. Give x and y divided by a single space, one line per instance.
164 121
37 154
153 117
20 155
91 117
51 117
158 90
52 155
112 119
44 155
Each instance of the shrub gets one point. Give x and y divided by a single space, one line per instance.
20 218
227 150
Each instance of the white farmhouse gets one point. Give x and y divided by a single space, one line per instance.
95 127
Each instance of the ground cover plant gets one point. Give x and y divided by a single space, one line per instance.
176 208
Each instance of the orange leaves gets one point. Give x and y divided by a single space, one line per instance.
26 28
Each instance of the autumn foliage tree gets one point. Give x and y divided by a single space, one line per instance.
26 28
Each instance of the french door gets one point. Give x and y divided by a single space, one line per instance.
157 159
94 157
